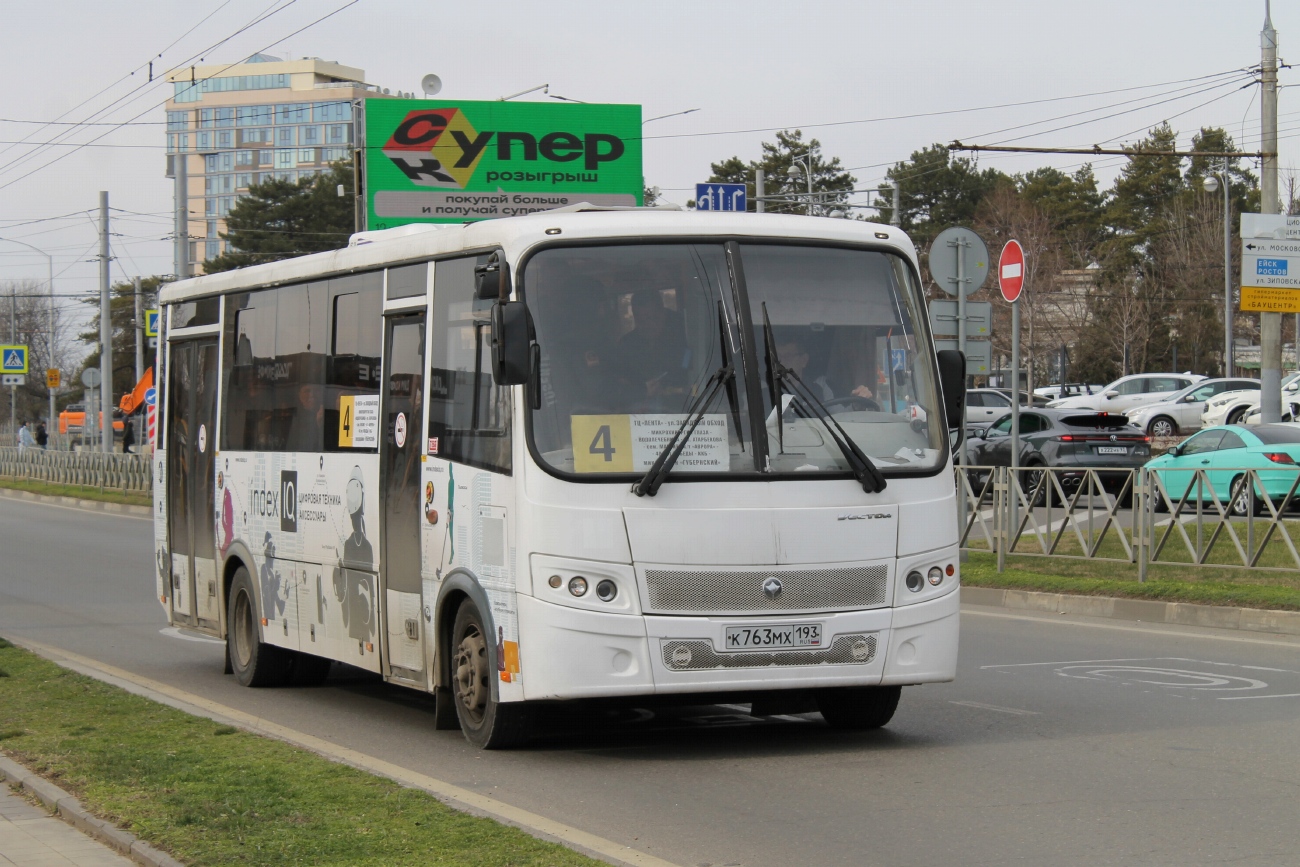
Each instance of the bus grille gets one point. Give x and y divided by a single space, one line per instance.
733 592
699 655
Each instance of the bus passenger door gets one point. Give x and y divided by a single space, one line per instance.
192 410
401 457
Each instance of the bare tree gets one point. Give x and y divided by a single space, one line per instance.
25 314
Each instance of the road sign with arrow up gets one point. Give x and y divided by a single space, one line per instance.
720 197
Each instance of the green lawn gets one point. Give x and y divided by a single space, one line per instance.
1206 585
105 495
214 795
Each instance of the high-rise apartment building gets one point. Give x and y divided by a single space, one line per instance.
242 124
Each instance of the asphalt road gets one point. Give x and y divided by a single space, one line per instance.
1062 742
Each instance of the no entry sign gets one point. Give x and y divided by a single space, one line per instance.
1011 270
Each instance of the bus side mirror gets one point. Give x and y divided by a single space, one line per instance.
492 279
952 382
511 339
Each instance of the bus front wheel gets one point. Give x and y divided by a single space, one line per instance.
858 707
486 723
252 661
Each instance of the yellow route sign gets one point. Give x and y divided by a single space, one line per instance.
52 377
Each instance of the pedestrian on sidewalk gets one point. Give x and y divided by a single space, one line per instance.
25 439
42 436
128 437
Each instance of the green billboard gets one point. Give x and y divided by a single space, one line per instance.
439 161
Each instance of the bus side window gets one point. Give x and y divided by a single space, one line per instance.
356 345
468 413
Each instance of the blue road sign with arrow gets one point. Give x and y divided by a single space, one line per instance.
720 197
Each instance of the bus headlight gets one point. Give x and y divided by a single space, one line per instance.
606 590
915 581
578 585
936 575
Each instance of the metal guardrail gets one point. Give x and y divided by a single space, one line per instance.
126 472
1134 515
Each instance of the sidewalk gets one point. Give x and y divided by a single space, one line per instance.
29 836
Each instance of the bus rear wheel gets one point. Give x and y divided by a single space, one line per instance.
486 723
858 707
253 662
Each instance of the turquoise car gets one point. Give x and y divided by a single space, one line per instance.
1226 453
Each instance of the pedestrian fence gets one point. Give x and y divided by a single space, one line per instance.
1220 517
125 472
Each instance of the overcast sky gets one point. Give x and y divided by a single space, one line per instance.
873 81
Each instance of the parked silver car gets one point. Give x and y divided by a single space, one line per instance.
1180 412
1130 391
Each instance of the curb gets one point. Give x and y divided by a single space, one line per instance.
69 809
1139 610
76 503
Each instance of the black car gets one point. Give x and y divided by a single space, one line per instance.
1062 438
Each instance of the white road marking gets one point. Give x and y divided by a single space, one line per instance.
173 632
82 510
1057 621
994 707
1241 697
454 795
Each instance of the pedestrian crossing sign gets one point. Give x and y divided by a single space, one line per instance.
13 359
151 323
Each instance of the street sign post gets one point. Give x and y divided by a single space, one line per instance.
720 197
1011 282
151 323
959 262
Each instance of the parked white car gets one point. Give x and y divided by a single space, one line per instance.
1231 407
1072 389
1180 412
1130 391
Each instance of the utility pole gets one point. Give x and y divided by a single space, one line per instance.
1229 315
760 182
182 231
139 335
1270 324
13 324
894 218
105 332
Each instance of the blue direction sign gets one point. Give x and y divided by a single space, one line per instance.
13 359
720 197
898 358
151 397
151 323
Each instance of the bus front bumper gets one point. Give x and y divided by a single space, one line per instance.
569 653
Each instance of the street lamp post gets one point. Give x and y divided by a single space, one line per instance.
49 260
1211 184
802 166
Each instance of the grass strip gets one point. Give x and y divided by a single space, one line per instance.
1200 585
106 495
214 795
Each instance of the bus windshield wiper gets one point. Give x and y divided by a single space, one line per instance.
782 380
649 484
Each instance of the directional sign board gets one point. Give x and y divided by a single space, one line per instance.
151 323
13 358
720 197
1270 263
943 318
978 355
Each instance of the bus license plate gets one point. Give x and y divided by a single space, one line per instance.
1112 450
787 636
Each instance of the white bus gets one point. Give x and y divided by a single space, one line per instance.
582 453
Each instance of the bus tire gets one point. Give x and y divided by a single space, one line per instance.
485 722
253 662
858 707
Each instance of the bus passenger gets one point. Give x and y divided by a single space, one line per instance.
654 353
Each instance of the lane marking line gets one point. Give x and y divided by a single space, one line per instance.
175 632
455 796
1056 620
84 511
993 707
1244 697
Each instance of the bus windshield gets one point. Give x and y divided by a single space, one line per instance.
630 336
